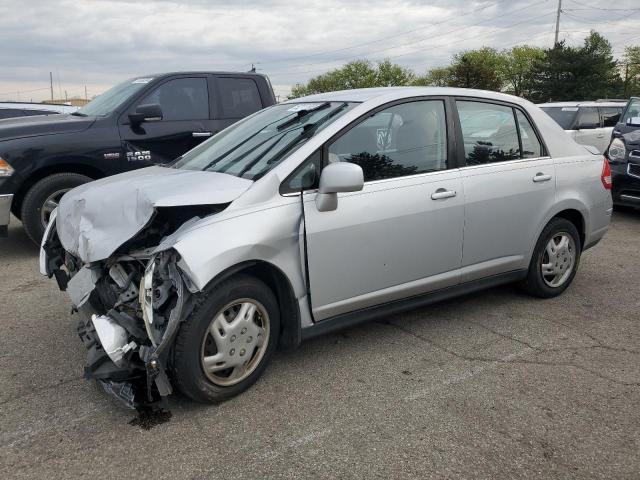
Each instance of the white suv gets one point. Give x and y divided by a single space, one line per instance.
588 123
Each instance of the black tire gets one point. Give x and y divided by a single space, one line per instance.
188 373
535 284
33 202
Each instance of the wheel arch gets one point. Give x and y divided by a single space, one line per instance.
279 283
578 220
43 172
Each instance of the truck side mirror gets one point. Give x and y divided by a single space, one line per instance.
150 112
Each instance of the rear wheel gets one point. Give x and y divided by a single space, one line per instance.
43 197
226 342
555 259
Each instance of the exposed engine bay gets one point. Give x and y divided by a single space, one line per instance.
131 305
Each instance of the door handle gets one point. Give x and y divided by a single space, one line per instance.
202 134
541 177
601 135
443 193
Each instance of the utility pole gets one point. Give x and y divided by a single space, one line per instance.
558 22
51 84
86 97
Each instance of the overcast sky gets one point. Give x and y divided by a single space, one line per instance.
98 43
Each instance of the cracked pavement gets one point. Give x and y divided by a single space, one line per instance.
491 385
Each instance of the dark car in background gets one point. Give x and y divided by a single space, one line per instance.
624 156
144 121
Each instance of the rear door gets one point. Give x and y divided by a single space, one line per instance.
589 130
508 184
402 234
185 121
233 98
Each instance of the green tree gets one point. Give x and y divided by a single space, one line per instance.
518 69
480 68
577 73
631 71
357 74
436 77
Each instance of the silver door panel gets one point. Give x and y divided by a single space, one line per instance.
382 242
503 207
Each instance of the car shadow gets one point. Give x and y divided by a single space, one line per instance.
17 245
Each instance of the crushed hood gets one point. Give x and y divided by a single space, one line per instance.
94 219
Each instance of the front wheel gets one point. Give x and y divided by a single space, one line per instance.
225 344
555 259
43 197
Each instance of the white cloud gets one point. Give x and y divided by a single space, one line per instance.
98 43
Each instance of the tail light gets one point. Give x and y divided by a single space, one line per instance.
606 175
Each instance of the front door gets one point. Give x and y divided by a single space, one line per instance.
509 186
402 234
185 121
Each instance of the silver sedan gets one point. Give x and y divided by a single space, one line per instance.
313 215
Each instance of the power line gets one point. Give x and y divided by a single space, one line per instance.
326 52
365 54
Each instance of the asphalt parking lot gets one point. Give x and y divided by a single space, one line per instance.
492 385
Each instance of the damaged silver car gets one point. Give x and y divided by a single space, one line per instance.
313 215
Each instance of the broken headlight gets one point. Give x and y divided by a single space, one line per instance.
146 300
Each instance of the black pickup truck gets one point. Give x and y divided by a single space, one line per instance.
144 121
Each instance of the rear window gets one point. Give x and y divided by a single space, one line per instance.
610 116
237 97
563 116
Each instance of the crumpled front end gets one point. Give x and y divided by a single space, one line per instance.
131 306
109 246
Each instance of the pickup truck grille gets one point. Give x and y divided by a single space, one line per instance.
633 169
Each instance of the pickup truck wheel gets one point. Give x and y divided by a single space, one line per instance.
555 259
43 197
224 345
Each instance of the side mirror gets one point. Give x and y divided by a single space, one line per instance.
338 177
150 112
633 122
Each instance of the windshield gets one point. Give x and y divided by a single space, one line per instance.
632 111
111 99
564 116
255 145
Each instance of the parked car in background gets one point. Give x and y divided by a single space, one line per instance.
24 109
143 121
624 156
314 215
588 123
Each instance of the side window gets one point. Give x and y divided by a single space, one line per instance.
531 147
237 97
610 116
489 132
306 176
589 118
181 99
405 139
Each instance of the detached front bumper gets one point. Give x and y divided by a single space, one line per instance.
5 212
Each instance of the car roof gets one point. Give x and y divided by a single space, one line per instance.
199 72
583 104
394 93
